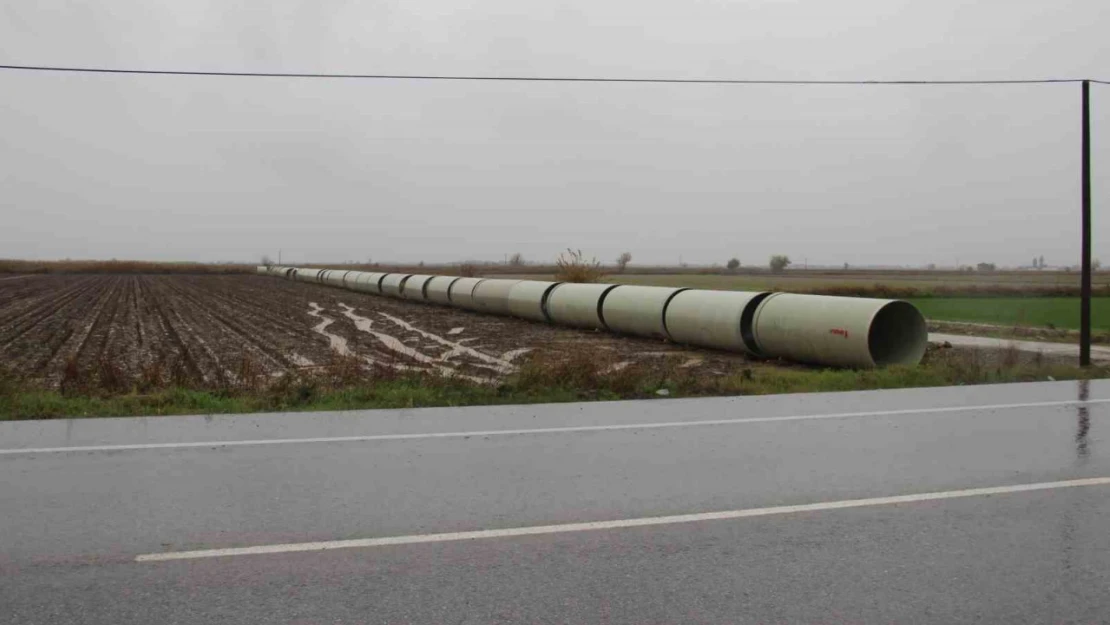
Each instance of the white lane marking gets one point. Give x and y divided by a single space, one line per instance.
559 430
619 524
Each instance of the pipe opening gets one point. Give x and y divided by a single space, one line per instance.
898 335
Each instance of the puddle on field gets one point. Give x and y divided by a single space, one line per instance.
501 365
338 343
390 342
513 354
300 360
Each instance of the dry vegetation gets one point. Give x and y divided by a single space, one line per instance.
31 267
347 383
573 266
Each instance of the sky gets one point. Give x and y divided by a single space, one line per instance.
214 169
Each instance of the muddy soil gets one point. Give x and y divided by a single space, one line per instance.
209 325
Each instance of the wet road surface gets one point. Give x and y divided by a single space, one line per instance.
971 504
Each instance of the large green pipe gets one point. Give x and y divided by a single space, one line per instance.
438 289
392 282
638 310
461 292
718 319
492 296
528 299
578 305
839 331
413 287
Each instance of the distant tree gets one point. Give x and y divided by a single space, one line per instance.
779 263
623 260
1040 265
1034 265
986 267
516 260
845 266
733 264
1096 264
931 267
420 264
266 260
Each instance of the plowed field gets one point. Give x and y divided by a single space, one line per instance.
208 326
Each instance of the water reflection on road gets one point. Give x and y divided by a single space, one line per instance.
1083 429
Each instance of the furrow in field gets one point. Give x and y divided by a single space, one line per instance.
224 313
234 338
246 301
36 345
157 297
50 309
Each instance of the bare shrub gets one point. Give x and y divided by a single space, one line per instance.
572 266
110 375
250 374
343 370
581 369
468 270
74 378
586 371
152 375
1010 356
180 374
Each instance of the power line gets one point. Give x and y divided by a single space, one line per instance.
691 81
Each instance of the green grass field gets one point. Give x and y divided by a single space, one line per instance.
1060 312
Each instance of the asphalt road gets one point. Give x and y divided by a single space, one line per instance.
984 504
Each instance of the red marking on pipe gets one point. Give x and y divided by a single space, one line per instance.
839 332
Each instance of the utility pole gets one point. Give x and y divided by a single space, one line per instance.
1085 280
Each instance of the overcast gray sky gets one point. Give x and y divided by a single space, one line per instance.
190 168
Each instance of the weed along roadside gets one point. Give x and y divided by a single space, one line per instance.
346 385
